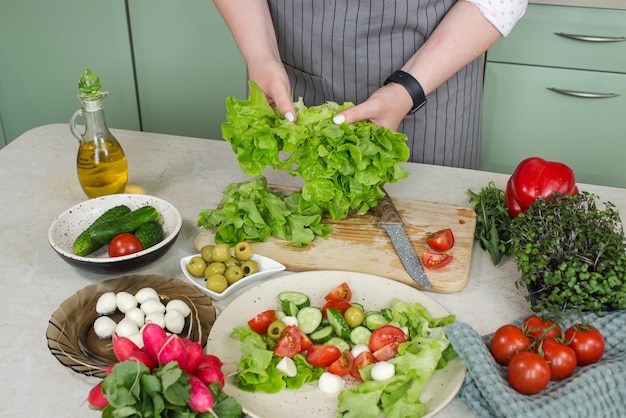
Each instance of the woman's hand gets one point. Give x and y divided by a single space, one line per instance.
272 78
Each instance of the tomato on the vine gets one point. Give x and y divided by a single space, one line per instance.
342 291
441 240
263 320
507 341
560 357
435 261
536 327
528 373
124 244
586 341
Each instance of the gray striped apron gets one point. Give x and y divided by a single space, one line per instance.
343 50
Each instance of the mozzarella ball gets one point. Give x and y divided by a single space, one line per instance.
330 383
179 305
290 320
104 326
146 293
137 339
136 315
125 301
358 349
174 321
152 305
157 318
106 303
287 366
383 370
126 327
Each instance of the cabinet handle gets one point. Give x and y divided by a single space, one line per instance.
586 38
583 94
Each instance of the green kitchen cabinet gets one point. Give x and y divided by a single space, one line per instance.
44 47
186 65
3 141
556 88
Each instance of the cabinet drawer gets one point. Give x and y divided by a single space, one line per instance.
534 40
522 118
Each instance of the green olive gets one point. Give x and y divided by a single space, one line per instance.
216 283
232 261
275 329
214 268
354 316
243 251
196 266
221 252
233 273
250 267
206 251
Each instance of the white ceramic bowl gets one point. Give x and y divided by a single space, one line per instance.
69 224
267 268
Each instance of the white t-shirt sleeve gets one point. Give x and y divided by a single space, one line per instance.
503 14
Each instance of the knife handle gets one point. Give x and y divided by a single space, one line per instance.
387 211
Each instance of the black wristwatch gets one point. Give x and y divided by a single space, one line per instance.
411 85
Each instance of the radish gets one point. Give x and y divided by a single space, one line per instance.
201 399
194 355
209 360
144 358
153 339
96 398
123 346
173 350
209 375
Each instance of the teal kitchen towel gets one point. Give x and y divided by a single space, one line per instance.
597 390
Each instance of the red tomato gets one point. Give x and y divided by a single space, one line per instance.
528 372
306 341
290 342
364 358
435 261
537 328
586 341
263 320
343 365
560 357
441 240
124 244
322 355
340 292
340 304
507 341
384 335
386 352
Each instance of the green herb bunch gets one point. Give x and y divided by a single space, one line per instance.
571 254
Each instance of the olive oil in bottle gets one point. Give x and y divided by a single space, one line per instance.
101 163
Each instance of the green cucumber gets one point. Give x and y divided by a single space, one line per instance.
341 344
335 319
84 244
299 299
360 335
322 335
104 232
374 320
309 319
150 233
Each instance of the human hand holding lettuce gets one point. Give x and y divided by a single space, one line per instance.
344 168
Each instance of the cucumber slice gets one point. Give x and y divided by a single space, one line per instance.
322 335
299 299
335 319
309 319
386 313
341 344
374 320
360 335
289 308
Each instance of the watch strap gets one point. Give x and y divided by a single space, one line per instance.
411 85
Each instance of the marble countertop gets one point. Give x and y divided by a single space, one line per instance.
39 182
600 4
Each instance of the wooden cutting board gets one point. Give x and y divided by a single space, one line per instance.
358 244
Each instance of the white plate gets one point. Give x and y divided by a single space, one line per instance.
267 268
373 292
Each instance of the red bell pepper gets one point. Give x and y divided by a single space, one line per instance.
537 178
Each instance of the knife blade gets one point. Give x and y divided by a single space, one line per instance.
391 222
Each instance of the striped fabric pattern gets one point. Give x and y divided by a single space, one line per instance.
343 50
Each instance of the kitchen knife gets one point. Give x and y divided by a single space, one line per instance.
391 222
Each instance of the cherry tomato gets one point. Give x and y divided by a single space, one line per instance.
386 352
535 327
363 359
384 335
528 373
322 355
290 342
560 357
441 240
263 320
306 342
586 341
340 292
435 261
341 305
343 365
507 341
124 244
